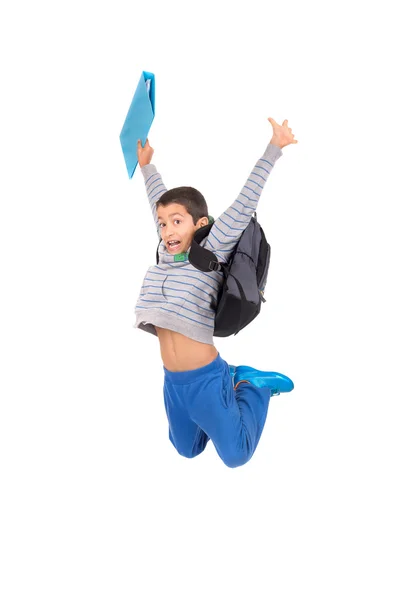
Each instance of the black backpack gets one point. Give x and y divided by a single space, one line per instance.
245 274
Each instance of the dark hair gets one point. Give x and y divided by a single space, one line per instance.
188 197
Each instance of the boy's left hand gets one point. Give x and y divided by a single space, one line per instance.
282 135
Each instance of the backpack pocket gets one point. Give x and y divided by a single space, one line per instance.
244 269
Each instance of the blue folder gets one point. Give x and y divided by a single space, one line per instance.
138 120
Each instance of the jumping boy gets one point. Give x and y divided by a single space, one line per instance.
177 303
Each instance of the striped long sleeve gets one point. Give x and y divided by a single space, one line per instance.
228 228
154 188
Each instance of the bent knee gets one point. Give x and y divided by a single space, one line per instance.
185 451
235 459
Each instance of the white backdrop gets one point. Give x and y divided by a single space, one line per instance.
95 501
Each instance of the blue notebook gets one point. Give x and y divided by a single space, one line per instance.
138 120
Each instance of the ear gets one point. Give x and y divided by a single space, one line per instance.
202 222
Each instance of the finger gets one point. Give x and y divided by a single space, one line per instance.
271 120
284 122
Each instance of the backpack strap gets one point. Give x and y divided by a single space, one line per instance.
200 257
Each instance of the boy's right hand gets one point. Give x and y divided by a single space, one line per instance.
144 154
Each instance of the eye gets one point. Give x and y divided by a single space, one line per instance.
175 221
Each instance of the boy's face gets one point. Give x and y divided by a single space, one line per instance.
176 225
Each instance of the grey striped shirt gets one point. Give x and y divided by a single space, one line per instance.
176 295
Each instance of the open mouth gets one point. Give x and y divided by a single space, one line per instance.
173 244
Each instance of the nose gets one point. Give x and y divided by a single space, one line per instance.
169 232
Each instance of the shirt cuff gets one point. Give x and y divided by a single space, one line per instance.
148 170
272 152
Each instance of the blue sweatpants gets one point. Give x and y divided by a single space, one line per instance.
202 405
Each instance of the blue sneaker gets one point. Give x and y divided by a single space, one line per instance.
276 382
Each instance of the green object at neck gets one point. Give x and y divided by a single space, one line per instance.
181 257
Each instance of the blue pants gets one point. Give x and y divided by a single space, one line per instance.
202 405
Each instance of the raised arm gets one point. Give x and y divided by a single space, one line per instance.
228 228
152 178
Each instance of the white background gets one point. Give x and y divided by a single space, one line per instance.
95 501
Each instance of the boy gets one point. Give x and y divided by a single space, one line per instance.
177 303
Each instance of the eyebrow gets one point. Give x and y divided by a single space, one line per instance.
173 215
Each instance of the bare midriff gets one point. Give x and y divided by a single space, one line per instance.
180 353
